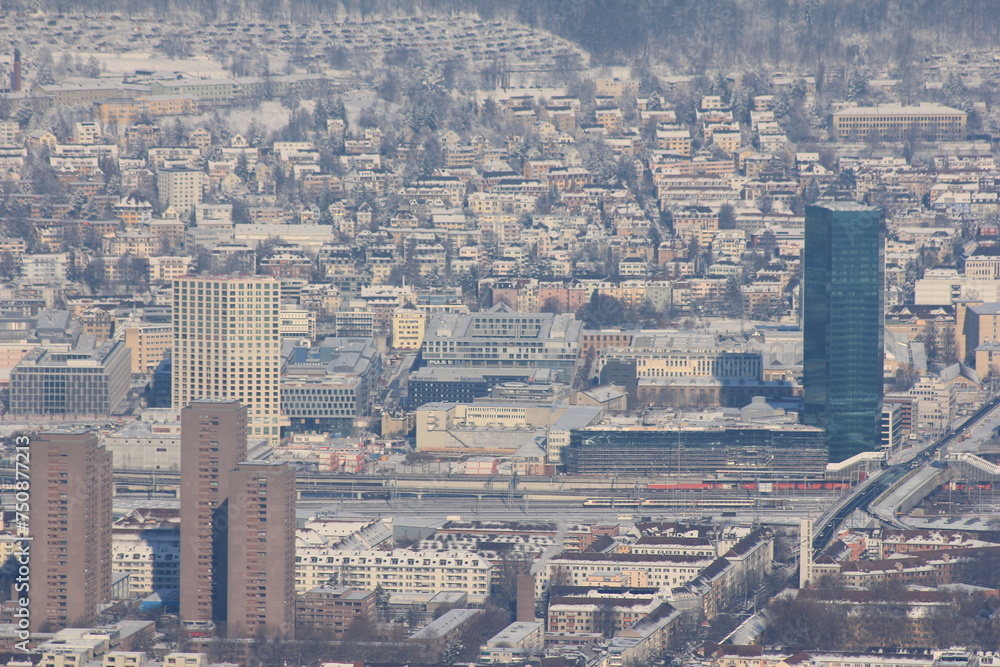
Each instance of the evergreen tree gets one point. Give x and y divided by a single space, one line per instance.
337 108
382 601
452 652
857 86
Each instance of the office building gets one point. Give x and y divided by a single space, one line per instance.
681 369
981 326
895 122
499 427
464 385
261 571
213 443
158 393
502 338
88 379
354 319
945 287
152 443
687 356
327 387
227 344
297 323
70 528
680 446
842 325
892 427
934 400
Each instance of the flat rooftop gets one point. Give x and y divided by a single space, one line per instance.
924 108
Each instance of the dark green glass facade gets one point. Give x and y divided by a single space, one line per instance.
842 317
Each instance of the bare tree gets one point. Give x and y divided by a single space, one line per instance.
606 619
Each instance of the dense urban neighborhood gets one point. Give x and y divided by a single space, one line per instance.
456 336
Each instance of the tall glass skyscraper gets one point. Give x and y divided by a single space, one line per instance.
842 325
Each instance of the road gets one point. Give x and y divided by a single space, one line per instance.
978 426
396 372
861 497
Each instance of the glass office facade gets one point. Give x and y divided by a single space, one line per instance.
83 381
842 325
736 450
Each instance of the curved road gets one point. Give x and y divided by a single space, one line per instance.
864 495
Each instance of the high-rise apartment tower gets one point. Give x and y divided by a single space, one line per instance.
261 550
70 528
213 442
227 345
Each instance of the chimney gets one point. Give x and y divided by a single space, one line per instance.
525 598
15 76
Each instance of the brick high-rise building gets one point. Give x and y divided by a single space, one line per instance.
226 344
261 550
70 526
213 442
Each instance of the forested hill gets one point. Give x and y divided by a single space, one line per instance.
690 34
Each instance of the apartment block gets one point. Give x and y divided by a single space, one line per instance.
608 611
398 571
146 546
213 443
70 528
147 342
331 610
180 189
227 344
39 269
623 570
261 552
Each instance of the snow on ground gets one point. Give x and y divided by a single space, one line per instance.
272 115
355 101
128 63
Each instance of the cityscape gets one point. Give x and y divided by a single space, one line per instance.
347 333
